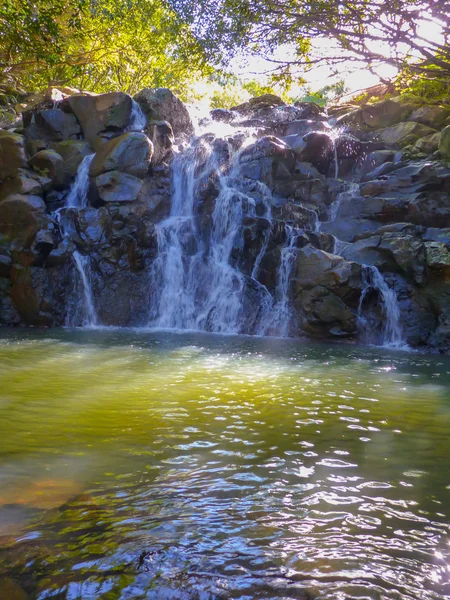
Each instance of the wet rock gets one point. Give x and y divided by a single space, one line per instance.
101 116
303 126
309 110
326 289
222 115
124 298
8 313
115 186
403 133
316 148
347 229
155 193
161 104
12 154
260 102
371 161
61 254
162 138
129 153
50 164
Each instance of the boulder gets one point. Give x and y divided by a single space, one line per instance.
101 116
433 116
375 116
21 217
222 115
403 133
437 255
162 105
21 183
309 110
326 291
115 186
444 143
302 126
12 154
130 153
428 144
57 125
382 114
161 135
316 148
259 102
50 164
72 152
30 293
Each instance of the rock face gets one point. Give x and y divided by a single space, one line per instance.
101 117
130 153
299 230
162 105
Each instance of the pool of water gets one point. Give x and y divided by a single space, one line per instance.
154 465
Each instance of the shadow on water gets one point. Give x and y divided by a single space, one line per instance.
156 465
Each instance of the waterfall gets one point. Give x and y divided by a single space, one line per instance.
77 199
138 121
278 315
77 196
392 335
90 319
196 285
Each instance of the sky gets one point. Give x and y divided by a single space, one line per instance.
356 78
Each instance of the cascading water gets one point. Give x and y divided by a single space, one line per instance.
392 335
278 315
198 287
77 196
89 314
138 121
372 280
77 199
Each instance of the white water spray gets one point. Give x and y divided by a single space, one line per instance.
392 335
77 196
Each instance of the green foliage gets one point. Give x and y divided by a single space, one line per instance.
325 94
365 31
98 45
422 90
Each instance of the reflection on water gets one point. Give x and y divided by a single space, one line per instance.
138 465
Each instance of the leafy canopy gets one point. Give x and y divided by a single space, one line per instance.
100 45
403 33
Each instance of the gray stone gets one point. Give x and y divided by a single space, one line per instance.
12 154
399 135
130 153
115 186
105 113
162 105
58 124
50 164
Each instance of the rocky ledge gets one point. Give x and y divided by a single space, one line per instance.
366 191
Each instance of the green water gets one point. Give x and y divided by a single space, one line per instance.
140 465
